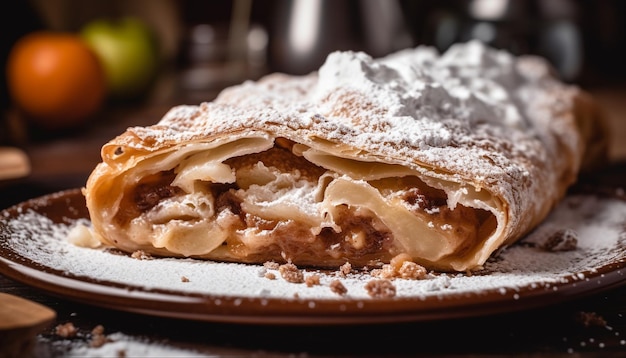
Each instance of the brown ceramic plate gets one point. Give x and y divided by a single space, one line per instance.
34 250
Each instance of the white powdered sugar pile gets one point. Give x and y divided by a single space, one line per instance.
596 227
121 345
469 83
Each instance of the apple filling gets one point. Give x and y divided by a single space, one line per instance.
292 203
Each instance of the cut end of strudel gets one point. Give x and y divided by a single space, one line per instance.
445 158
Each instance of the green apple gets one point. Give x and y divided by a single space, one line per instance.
129 53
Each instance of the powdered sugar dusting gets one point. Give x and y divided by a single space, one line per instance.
416 99
123 345
599 224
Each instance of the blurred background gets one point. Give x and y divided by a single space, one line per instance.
197 47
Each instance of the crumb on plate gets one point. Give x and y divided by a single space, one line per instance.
291 273
312 280
66 330
141 255
337 287
380 288
401 266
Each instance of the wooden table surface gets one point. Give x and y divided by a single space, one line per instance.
65 162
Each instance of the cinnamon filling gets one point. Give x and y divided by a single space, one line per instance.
360 234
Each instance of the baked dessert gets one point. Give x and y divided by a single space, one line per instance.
445 158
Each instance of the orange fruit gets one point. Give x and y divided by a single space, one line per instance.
55 79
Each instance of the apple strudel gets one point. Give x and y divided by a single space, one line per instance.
442 157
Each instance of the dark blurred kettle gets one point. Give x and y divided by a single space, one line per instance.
304 32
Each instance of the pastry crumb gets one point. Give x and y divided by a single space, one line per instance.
312 280
184 279
412 271
99 329
270 276
291 273
66 330
98 338
141 255
337 287
380 288
271 265
401 266
345 269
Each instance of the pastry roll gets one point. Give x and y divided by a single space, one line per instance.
444 157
